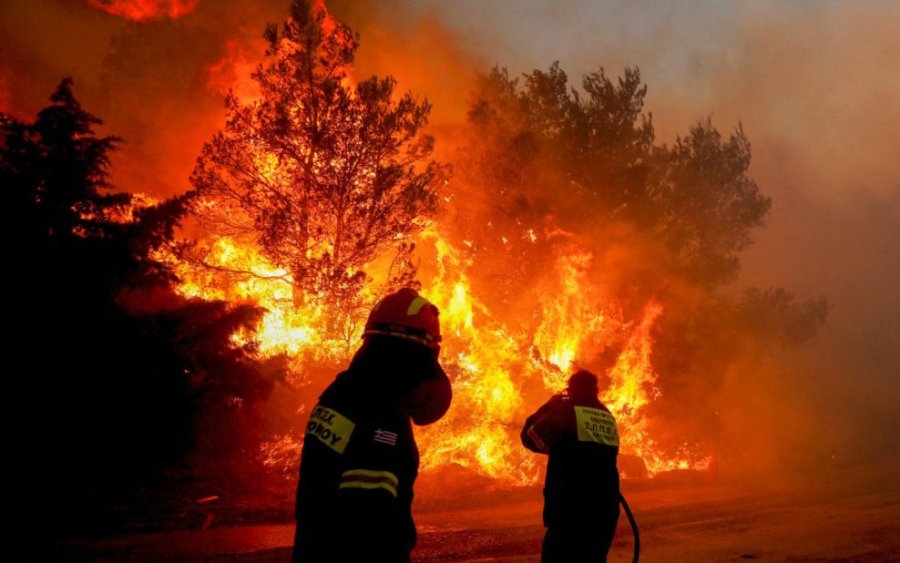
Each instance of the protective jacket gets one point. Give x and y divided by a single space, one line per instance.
356 483
581 503
359 459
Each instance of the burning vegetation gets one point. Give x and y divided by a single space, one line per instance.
557 235
319 196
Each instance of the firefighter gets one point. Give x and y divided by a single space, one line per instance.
581 490
359 459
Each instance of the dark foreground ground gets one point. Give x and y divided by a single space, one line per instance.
845 516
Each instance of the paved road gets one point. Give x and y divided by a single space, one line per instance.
827 521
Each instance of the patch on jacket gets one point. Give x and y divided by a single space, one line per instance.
386 437
331 428
595 425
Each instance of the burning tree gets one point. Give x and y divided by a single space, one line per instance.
587 159
621 240
324 174
581 241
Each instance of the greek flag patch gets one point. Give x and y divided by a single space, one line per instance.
386 437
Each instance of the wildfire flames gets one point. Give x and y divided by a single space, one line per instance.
140 10
500 372
501 369
210 199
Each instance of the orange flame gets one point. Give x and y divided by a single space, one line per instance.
495 366
225 269
569 318
500 373
140 10
478 432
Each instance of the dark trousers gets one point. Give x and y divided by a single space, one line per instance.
577 542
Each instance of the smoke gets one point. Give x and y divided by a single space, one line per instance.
5 102
43 41
816 88
151 80
818 92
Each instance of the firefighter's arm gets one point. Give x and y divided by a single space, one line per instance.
532 440
538 433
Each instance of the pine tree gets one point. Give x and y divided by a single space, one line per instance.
122 373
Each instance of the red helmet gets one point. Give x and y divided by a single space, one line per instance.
406 314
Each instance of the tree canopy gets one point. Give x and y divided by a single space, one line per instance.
589 156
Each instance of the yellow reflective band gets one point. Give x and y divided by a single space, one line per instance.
387 475
331 428
416 306
368 479
596 425
366 485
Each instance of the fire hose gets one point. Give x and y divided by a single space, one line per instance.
634 527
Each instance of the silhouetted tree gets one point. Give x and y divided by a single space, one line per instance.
541 139
324 173
61 191
123 375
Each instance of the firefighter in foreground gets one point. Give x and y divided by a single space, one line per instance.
581 492
359 458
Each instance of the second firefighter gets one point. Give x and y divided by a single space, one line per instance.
581 491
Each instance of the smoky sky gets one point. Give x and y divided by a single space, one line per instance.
815 84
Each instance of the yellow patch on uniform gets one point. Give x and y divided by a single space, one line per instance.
331 428
596 425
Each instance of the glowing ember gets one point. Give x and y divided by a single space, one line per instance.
140 10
